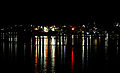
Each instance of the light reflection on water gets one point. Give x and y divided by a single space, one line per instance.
106 47
53 54
87 51
3 47
83 55
45 49
117 47
64 53
31 47
72 61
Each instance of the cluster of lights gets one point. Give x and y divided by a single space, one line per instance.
45 29
53 28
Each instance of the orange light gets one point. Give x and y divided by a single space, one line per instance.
73 28
35 28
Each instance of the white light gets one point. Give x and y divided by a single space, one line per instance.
87 40
83 41
53 40
90 36
72 39
117 24
53 29
83 26
45 29
64 26
107 35
82 31
72 36
95 28
87 32
41 27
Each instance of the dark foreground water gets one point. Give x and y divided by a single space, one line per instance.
58 54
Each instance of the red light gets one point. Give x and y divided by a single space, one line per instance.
72 61
73 28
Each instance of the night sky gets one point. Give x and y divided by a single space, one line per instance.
83 19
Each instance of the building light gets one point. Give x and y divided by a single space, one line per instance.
41 27
83 26
73 28
36 37
82 31
45 29
87 32
64 26
53 29
35 28
2 29
117 24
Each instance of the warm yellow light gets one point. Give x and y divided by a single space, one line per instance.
73 28
45 29
36 37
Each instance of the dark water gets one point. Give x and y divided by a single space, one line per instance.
57 54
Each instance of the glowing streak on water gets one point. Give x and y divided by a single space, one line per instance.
53 54
72 39
87 49
72 61
41 47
